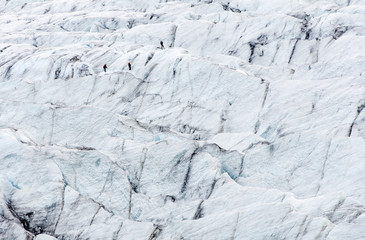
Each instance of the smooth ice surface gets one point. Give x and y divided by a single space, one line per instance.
249 124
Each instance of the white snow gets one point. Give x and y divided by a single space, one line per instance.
248 125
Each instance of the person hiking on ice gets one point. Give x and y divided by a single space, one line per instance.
129 66
105 67
162 46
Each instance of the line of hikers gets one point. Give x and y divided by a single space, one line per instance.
129 63
129 66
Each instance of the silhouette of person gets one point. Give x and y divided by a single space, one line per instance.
129 65
162 46
104 67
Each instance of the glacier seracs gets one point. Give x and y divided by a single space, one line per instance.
248 125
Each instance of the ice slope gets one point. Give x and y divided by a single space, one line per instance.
248 125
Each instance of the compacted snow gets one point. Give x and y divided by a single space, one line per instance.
248 125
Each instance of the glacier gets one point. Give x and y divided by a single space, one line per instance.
248 125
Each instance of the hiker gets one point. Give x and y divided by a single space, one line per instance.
104 67
129 66
162 46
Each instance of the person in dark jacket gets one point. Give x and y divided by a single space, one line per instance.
104 67
129 65
162 46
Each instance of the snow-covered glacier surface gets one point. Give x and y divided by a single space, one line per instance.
249 124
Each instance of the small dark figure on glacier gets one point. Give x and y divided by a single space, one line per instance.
104 67
129 66
162 46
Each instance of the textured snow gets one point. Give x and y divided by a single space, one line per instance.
248 125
